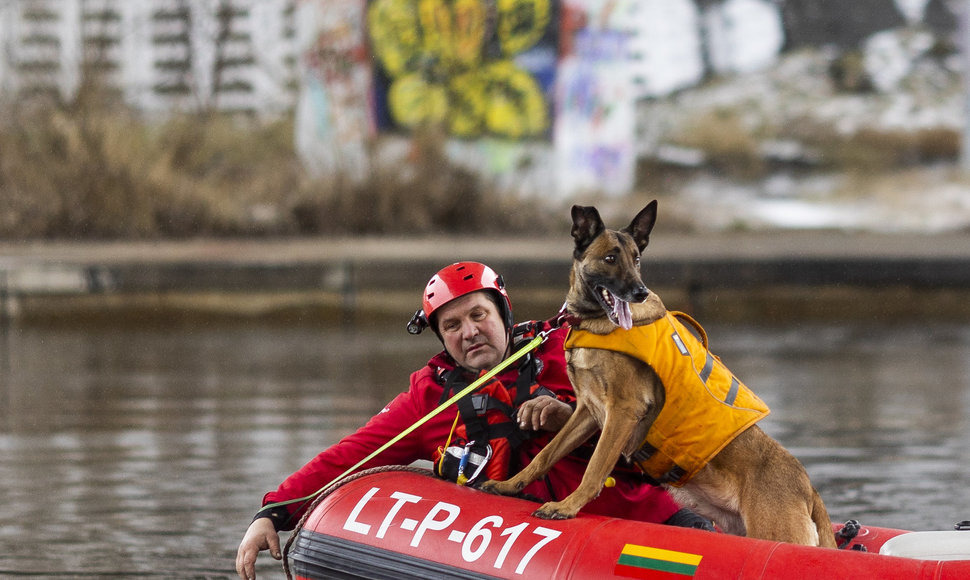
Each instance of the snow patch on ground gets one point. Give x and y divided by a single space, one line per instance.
927 200
799 89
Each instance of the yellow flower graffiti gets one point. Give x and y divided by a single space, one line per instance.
451 62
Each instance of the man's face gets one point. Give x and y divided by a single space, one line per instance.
473 332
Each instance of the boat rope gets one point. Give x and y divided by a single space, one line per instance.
334 487
531 345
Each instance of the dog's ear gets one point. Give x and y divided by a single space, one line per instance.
586 226
641 225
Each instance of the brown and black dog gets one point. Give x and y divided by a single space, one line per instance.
749 486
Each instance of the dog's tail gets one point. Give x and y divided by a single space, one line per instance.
820 516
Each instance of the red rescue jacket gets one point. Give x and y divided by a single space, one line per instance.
631 498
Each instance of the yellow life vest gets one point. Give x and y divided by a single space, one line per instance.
705 408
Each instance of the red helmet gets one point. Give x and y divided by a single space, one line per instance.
455 281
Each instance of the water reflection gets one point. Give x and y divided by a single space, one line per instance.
144 451
878 414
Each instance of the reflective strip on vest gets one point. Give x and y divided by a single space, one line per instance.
705 406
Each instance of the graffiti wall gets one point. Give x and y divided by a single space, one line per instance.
475 67
596 116
540 96
333 116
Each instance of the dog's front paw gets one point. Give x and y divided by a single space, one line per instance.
554 510
501 487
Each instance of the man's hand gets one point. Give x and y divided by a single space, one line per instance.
543 412
260 536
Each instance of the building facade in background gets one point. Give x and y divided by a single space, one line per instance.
161 55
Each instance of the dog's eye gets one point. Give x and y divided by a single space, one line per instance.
637 261
610 259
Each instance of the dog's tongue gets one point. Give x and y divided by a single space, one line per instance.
622 314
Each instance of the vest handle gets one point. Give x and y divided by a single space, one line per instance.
688 321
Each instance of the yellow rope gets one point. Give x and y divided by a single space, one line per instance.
443 450
532 344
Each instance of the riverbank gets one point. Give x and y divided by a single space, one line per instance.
738 275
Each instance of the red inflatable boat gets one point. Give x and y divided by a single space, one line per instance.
408 524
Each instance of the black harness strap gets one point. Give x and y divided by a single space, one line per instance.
474 408
475 423
676 473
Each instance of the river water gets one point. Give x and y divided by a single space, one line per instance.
128 450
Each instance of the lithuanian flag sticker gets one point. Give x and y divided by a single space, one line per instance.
646 562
